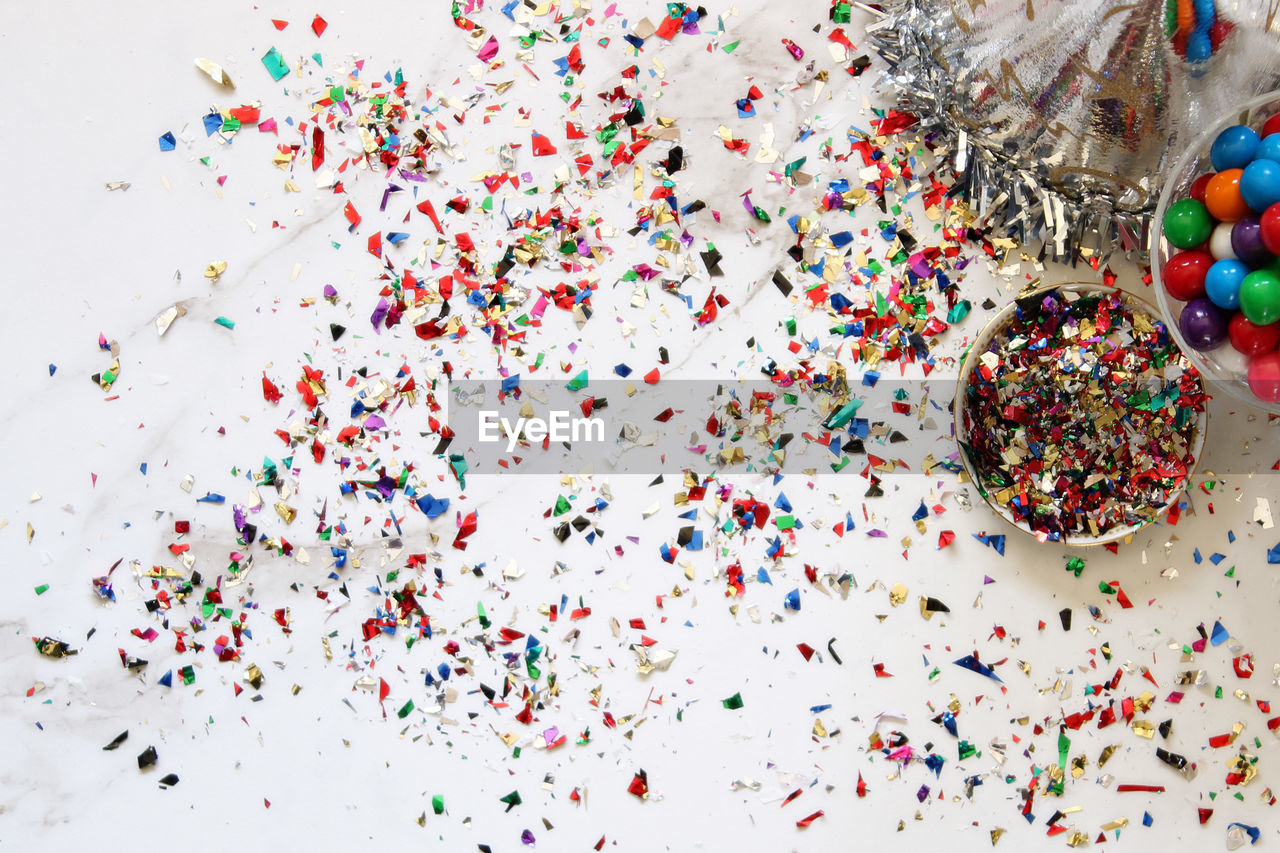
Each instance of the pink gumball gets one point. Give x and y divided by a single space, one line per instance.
1264 377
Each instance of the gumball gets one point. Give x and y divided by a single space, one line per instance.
1222 283
1187 223
1224 197
1220 241
1264 377
1268 149
1184 274
1260 297
1260 184
1203 324
1246 240
1252 339
1271 126
1270 227
1196 190
1234 148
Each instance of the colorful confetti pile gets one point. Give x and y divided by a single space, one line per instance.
1081 416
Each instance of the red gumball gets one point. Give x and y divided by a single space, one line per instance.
1199 185
1184 274
1272 125
1264 377
1252 339
1270 228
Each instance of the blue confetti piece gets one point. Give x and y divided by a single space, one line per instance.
1219 634
972 664
792 600
395 238
211 498
1146 819
166 679
782 503
212 124
510 383
921 513
622 370
763 576
1273 556
1217 558
143 469
167 142
53 368
818 709
433 507
1196 556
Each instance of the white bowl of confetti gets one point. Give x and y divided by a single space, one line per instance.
1216 253
1079 419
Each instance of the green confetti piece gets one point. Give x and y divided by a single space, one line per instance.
42 589
562 505
733 703
959 311
966 750
405 709
729 48
1075 564
846 413
578 382
484 619
275 64
437 804
513 799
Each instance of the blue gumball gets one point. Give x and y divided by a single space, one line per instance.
1234 148
1260 184
1222 283
1269 148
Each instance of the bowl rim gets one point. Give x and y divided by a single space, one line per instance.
1234 385
984 336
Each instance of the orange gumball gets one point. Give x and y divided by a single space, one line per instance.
1222 196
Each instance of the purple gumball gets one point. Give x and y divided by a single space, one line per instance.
1246 242
1203 324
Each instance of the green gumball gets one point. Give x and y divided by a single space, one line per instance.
1187 223
1260 297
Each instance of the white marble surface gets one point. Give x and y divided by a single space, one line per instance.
89 94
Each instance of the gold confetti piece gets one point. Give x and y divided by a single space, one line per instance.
253 675
215 71
1144 729
286 512
1107 752
31 532
898 595
996 835
215 269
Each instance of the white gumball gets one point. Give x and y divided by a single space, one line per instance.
1220 242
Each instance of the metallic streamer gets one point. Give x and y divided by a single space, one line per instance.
1065 116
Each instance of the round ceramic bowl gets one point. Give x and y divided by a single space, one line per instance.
1223 368
997 326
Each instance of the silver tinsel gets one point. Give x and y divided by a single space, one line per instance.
1062 116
